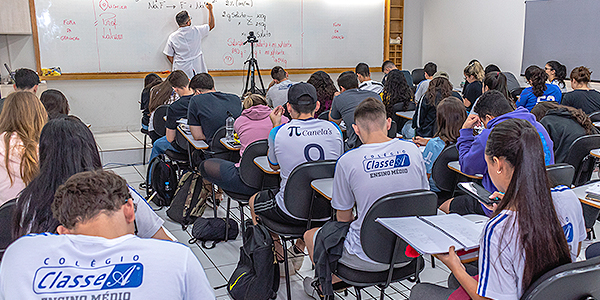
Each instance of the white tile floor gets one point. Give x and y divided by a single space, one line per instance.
119 150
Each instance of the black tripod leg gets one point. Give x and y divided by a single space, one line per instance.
262 92
247 77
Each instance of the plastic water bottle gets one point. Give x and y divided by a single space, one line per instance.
229 127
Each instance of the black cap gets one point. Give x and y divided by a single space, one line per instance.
300 89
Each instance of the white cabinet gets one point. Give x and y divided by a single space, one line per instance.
15 17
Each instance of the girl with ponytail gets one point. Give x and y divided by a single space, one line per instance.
539 90
524 238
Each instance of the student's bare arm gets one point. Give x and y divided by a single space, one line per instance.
345 215
170 135
161 235
337 121
197 132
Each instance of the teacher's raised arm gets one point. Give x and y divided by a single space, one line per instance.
211 17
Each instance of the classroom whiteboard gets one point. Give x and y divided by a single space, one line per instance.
110 36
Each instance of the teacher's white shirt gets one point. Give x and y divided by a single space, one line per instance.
185 45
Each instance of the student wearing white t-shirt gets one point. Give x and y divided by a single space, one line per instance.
67 147
301 140
96 255
184 46
278 93
523 239
380 166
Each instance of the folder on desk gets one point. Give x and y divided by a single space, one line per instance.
435 234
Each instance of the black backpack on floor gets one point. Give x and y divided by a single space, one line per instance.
256 276
189 201
163 180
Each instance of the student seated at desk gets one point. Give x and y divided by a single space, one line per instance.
344 104
177 110
150 81
326 90
564 124
451 114
539 90
161 94
209 109
21 121
300 140
397 96
474 86
277 93
424 119
524 239
254 124
364 78
354 185
67 147
582 96
97 254
26 80
55 102
492 109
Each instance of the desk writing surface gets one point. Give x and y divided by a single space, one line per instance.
263 163
597 124
455 166
406 114
199 145
323 186
581 193
595 153
227 144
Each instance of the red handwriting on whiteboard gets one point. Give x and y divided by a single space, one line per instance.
104 5
69 36
228 59
337 35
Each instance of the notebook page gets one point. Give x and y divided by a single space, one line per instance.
420 235
465 231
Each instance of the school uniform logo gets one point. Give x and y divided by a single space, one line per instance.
66 279
386 165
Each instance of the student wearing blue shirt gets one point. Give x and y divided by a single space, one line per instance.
540 90
451 114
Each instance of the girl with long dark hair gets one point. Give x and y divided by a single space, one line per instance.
424 120
539 90
524 238
150 81
557 73
451 115
55 102
67 147
325 90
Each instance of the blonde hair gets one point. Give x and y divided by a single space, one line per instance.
475 69
253 100
25 115
160 94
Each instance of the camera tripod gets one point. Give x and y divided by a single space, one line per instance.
252 71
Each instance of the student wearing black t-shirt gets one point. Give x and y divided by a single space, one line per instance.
208 109
176 111
473 75
582 96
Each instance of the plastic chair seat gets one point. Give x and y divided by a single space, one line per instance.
240 198
363 278
178 156
291 231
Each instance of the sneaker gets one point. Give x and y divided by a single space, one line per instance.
296 258
311 288
282 268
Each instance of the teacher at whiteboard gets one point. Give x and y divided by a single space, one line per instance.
184 47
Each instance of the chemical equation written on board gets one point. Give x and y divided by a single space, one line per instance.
163 4
275 51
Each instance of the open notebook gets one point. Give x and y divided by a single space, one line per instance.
435 234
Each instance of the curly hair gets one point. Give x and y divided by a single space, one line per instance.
396 90
325 89
577 114
537 78
439 85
